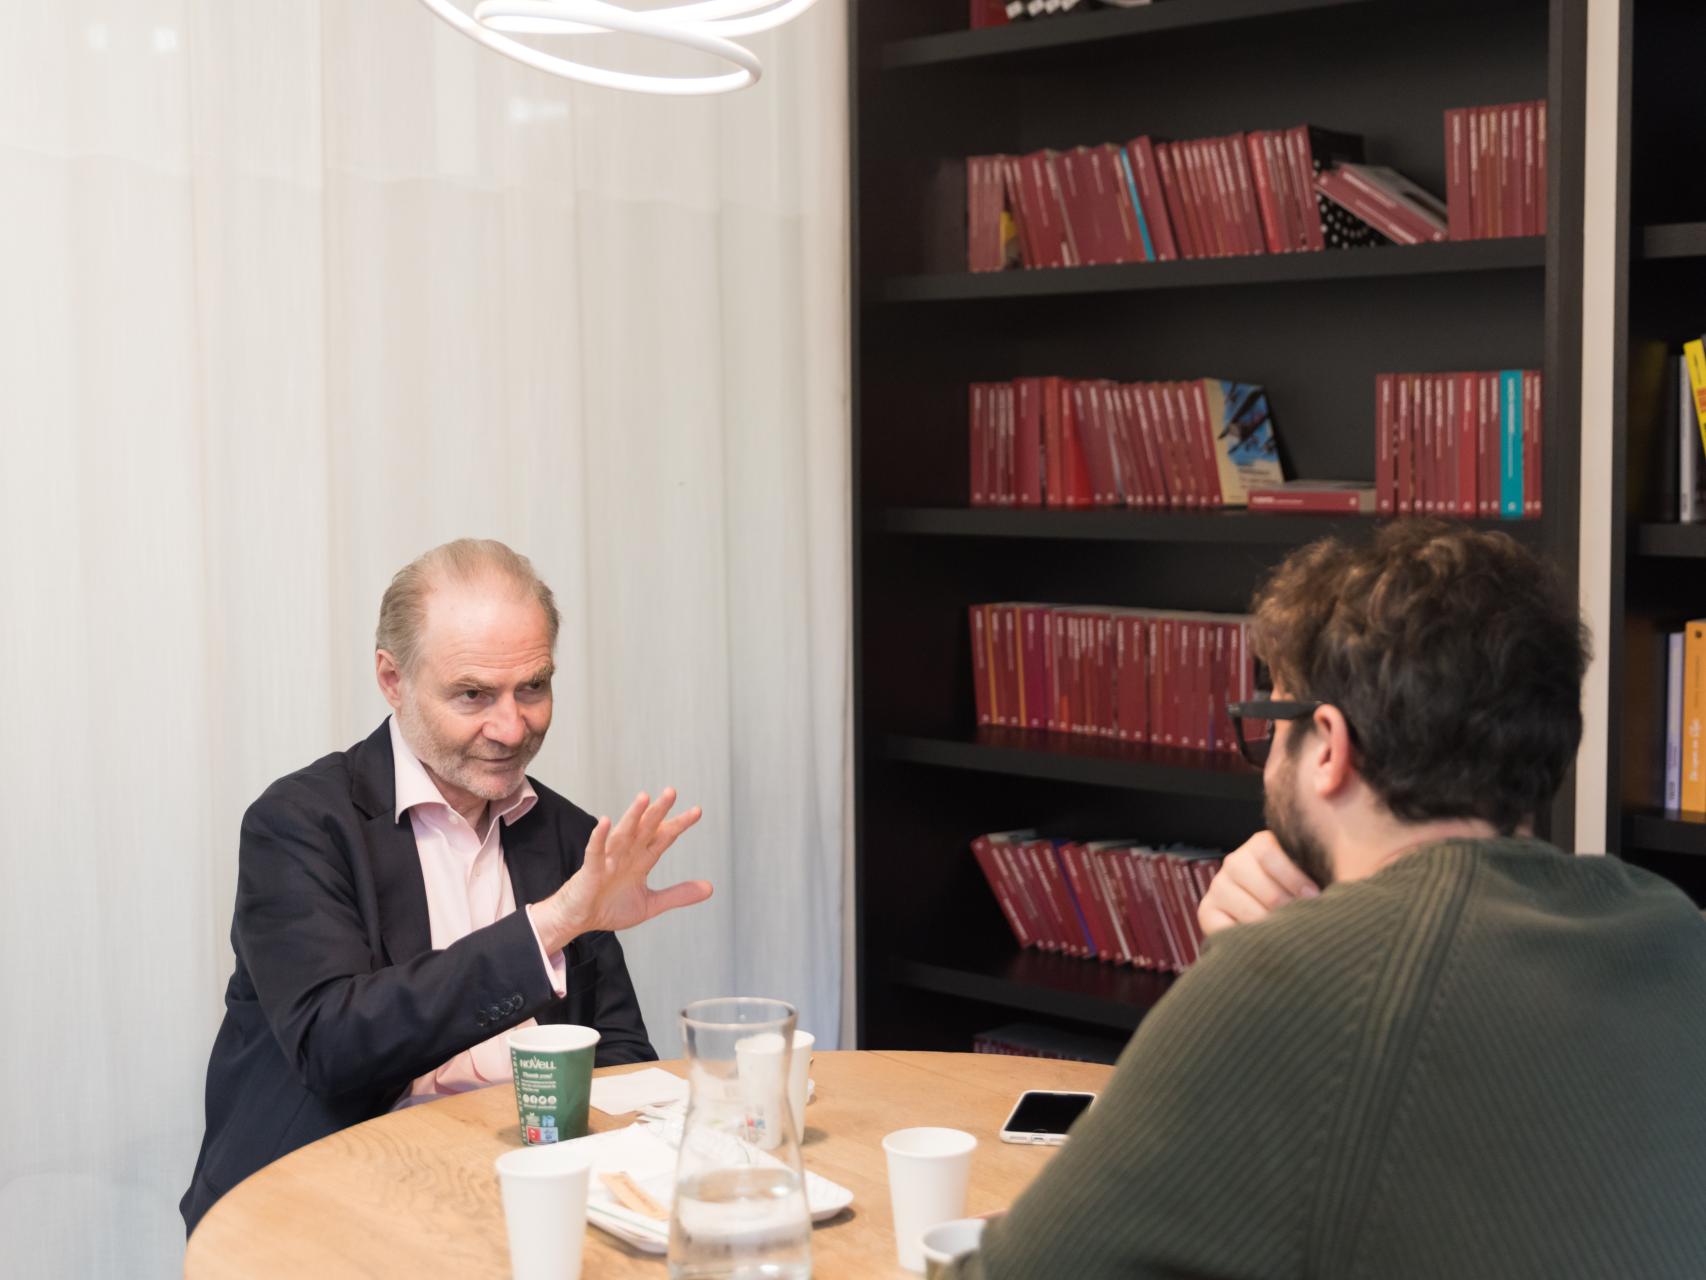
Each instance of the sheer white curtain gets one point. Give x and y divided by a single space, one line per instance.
290 291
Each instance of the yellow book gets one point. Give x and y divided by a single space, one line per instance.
1694 717
1694 356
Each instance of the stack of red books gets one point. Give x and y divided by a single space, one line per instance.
1133 675
1496 170
1112 900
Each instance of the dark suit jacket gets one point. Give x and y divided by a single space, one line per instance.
338 1000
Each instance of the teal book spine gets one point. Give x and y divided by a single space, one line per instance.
1510 444
1137 204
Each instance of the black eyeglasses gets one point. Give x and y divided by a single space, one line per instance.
1253 724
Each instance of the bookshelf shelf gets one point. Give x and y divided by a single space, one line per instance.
1672 541
1518 253
1103 995
1116 524
1665 832
1094 761
1674 240
1093 27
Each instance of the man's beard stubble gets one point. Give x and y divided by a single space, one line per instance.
455 765
1280 813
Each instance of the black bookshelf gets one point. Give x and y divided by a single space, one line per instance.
935 960
1100 995
1126 525
1660 301
1513 254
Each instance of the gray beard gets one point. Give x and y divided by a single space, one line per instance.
449 764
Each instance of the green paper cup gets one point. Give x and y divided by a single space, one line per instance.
552 1066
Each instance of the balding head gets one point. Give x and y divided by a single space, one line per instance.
464 562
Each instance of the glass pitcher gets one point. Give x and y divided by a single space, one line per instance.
740 1201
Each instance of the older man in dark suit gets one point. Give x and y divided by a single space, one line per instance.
380 954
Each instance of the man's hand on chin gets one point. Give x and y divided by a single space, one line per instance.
609 892
1255 880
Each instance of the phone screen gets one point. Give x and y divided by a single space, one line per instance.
1046 1112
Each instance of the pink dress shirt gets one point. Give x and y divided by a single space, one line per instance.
467 888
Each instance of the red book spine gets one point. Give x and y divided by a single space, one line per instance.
1298 150
1285 197
1000 455
974 212
1487 432
1011 671
1015 873
1510 185
1051 934
1273 230
1157 210
1203 429
1133 681
1167 165
1027 442
1107 899
1068 253
1078 887
1054 452
1143 438
1161 890
1202 715
1540 195
1106 874
1199 190
1530 171
1403 443
1475 177
979 437
1238 155
1445 471
1385 460
1457 174
1179 901
1467 443
1055 629
1534 461
1424 444
1068 169
1033 672
1306 502
1116 408
979 663
1079 490
1161 680
1114 196
1077 721
1175 415
1044 206
1015 200
1152 939
1079 939
984 852
1226 195
1109 630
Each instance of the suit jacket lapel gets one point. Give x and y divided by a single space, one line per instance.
397 881
535 867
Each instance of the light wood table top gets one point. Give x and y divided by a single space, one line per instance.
413 1193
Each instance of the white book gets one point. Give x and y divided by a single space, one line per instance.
1673 720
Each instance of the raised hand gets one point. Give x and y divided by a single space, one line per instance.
610 890
1256 879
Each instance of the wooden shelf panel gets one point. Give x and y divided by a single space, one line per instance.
1094 761
1671 540
1104 995
1517 253
1674 240
1121 524
1665 832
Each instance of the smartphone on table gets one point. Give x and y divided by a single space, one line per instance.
1041 1117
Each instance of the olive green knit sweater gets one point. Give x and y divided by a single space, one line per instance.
1487 1060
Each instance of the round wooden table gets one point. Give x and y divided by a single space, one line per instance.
412 1194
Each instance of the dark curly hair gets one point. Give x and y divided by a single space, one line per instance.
1456 656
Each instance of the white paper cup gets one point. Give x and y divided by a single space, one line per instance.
928 1172
799 1067
544 1197
949 1240
763 1086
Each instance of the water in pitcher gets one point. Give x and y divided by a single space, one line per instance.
740 1224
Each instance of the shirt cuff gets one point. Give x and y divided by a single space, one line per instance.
556 966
